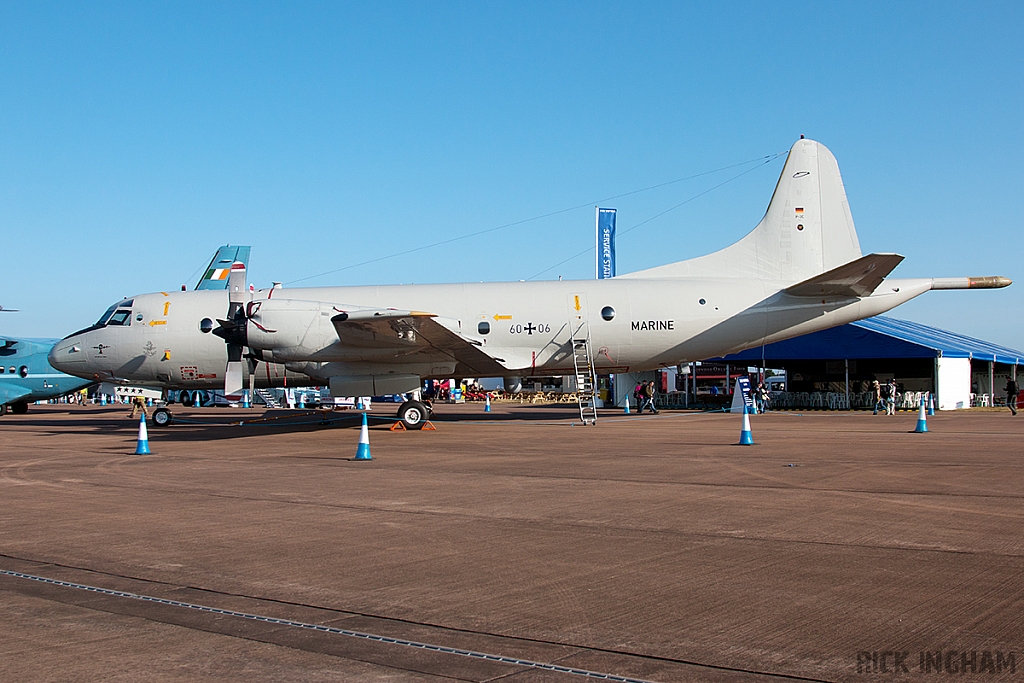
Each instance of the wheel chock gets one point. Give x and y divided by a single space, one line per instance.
428 426
397 427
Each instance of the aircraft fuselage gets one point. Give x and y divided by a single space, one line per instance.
633 325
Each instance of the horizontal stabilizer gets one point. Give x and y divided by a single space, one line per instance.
854 279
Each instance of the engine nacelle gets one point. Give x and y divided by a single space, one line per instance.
289 329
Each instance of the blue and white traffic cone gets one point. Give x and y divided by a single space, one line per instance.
626 410
931 404
142 447
922 420
359 404
363 451
246 403
487 403
746 438
103 399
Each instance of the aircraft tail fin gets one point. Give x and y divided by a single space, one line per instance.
216 274
807 229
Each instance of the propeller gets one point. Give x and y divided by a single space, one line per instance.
233 330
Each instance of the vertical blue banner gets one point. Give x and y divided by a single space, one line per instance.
605 243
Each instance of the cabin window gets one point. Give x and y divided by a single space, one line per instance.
206 326
138 317
607 312
702 302
1 370
12 370
23 370
484 327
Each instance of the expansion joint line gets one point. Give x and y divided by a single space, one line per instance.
328 629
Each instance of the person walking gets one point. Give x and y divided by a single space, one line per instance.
138 403
877 389
649 393
1011 394
638 396
890 405
764 397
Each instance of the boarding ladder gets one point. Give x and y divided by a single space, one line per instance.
583 362
268 398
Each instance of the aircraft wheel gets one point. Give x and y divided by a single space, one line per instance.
19 408
186 398
3 409
162 417
413 414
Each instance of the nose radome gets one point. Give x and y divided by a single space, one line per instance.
67 355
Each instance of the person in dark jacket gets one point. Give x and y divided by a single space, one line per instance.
649 393
1011 394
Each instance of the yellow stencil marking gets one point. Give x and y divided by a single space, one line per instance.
502 317
157 322
577 302
167 304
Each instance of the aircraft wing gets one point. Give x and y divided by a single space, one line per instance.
12 392
413 331
854 279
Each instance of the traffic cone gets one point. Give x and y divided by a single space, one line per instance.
487 403
922 420
103 399
746 438
246 403
363 451
931 404
142 447
626 410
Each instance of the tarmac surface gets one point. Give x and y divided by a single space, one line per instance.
515 545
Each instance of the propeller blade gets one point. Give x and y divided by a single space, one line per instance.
233 380
252 378
236 284
233 331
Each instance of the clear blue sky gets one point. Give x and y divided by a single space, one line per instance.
137 137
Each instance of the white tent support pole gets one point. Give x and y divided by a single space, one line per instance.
992 382
846 364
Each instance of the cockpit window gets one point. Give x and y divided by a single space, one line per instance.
123 316
118 314
106 316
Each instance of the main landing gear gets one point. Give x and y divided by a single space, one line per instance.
162 417
414 414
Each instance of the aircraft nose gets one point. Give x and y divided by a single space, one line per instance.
68 355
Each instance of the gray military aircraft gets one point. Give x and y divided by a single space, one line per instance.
800 270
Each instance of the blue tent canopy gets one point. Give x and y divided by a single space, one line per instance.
878 337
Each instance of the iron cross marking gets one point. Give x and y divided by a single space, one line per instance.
529 329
